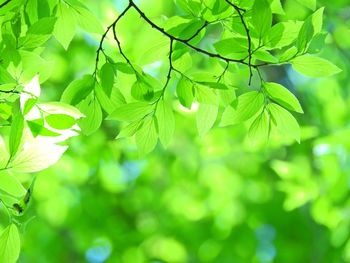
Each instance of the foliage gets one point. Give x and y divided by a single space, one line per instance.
236 74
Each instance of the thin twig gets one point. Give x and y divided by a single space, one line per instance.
5 3
199 50
100 47
239 11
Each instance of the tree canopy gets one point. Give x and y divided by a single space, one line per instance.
174 131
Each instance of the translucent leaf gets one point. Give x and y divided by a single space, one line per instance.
4 154
312 26
106 103
61 108
261 17
87 20
129 130
236 47
314 66
260 128
107 78
9 244
34 64
265 56
165 122
276 7
60 121
311 4
184 90
246 106
43 26
206 95
282 34
92 110
16 132
141 90
10 184
65 25
206 117
284 121
146 137
37 154
78 90
283 96
131 111
214 85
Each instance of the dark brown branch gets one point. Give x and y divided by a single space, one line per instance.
198 31
5 3
168 77
120 48
100 47
10 91
223 72
199 50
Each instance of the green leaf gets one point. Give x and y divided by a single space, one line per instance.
235 47
260 128
34 64
261 17
16 132
131 112
186 30
129 130
246 106
141 90
46 132
314 66
8 86
107 78
36 126
206 95
282 34
44 26
10 184
87 20
65 25
28 105
276 7
10 244
284 121
312 26
227 96
165 122
206 117
213 85
146 137
311 4
61 108
39 32
317 43
106 103
38 154
60 121
92 110
6 77
117 98
184 91
78 90
124 67
288 54
184 63
283 96
265 56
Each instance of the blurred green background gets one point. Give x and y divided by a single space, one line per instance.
210 199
